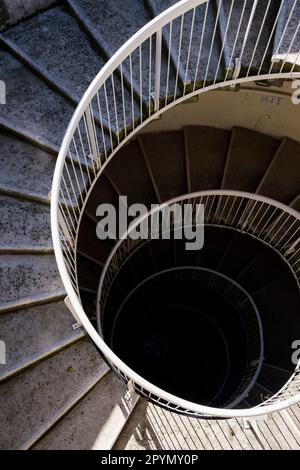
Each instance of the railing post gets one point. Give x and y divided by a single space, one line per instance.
157 69
91 135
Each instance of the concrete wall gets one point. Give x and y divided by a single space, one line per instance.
267 110
12 11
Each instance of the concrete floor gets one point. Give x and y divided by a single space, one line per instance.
152 428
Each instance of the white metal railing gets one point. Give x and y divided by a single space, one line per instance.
141 81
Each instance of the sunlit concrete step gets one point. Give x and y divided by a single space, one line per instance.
96 422
32 334
35 400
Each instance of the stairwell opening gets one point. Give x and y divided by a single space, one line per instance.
190 331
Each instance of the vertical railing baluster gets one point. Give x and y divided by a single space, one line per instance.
236 38
224 41
141 83
283 34
131 91
290 48
115 106
258 37
189 51
179 57
212 42
158 52
271 36
150 78
91 145
123 99
108 117
169 62
248 29
101 122
80 165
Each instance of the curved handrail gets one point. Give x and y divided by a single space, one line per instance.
91 141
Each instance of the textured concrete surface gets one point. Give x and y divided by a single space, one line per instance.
31 401
112 23
31 105
12 11
24 224
32 333
152 428
209 40
286 45
25 168
234 39
26 276
49 40
95 422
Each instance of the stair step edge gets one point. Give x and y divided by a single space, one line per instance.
36 436
43 355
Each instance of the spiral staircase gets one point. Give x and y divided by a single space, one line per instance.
57 391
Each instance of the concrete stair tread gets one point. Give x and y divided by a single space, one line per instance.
137 185
35 333
206 149
104 193
95 423
25 168
263 37
281 47
127 19
29 176
29 101
188 68
232 265
48 39
279 303
282 182
28 277
24 225
90 244
165 155
37 398
250 154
